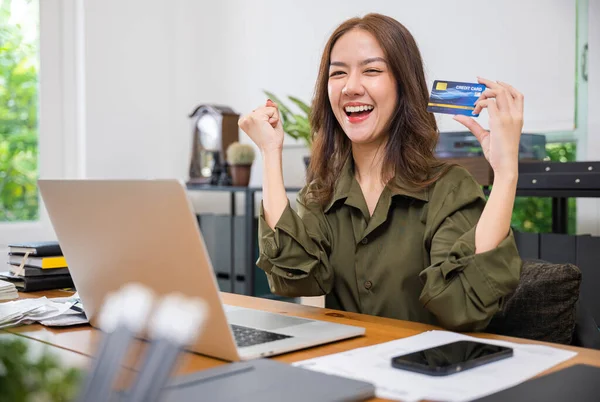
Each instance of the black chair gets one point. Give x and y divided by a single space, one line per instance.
546 306
586 333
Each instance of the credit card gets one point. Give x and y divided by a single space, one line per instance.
454 97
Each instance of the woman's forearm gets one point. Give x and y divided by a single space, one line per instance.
274 197
494 223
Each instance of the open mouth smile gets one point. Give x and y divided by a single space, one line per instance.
358 113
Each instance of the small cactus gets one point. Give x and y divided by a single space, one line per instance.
240 154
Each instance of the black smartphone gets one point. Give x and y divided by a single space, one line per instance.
451 358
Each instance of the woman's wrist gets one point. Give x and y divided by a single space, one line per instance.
506 179
268 151
509 173
271 156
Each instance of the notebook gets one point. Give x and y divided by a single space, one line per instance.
35 283
264 380
37 248
32 271
38 262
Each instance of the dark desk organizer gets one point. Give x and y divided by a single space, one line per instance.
557 175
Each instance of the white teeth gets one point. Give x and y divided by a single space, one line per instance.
361 108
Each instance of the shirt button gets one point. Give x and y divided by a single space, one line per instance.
365 240
368 285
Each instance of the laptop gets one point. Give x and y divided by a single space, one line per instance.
114 232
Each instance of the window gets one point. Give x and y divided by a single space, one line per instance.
41 65
19 61
534 214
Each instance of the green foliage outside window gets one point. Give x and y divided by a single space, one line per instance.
534 214
18 121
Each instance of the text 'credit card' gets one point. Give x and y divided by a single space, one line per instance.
454 97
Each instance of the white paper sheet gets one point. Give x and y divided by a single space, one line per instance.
66 319
373 364
26 311
8 290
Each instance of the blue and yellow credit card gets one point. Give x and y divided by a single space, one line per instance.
453 97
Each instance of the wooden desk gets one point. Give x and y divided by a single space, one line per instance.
83 340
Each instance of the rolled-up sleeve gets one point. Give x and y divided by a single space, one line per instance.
461 288
295 256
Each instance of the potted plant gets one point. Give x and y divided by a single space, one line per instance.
27 375
240 158
296 125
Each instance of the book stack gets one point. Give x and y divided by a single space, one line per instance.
37 266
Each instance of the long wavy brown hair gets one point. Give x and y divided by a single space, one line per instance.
413 133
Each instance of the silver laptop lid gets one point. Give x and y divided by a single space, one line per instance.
117 231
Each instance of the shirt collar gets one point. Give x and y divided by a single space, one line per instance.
346 187
343 184
419 194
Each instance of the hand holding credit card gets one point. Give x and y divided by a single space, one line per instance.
452 97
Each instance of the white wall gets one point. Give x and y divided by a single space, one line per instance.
158 61
150 62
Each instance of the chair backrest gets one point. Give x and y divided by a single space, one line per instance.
583 251
580 250
543 306
587 333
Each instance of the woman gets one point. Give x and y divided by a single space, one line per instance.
383 227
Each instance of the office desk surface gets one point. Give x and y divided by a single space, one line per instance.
82 340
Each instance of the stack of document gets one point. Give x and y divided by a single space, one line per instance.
8 291
37 266
373 364
27 311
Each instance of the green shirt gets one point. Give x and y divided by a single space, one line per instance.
413 259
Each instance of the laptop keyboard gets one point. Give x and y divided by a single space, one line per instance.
245 336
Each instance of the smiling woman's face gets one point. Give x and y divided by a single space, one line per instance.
362 89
